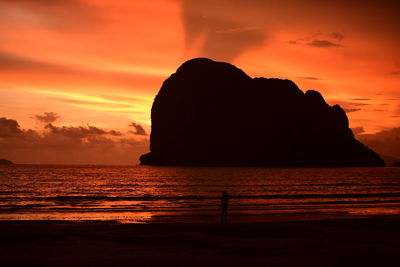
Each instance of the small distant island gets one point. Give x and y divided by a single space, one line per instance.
396 164
6 162
211 113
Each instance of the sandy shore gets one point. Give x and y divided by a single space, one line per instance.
325 242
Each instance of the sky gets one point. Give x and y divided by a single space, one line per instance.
78 77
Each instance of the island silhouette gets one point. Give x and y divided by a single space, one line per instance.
211 113
6 162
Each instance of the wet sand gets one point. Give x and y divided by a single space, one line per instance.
324 242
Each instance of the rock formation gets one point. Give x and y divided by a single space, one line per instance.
5 162
212 114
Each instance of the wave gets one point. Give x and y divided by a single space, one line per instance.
249 185
77 198
317 205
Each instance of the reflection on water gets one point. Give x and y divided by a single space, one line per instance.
123 217
138 193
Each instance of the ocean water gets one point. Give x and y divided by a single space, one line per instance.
143 193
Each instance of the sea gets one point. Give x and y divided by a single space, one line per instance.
141 194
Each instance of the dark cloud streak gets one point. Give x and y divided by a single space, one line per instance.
349 110
80 131
337 36
139 130
47 117
9 128
309 78
323 44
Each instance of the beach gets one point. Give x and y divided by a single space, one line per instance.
249 241
170 216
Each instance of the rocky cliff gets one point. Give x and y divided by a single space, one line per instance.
212 114
5 162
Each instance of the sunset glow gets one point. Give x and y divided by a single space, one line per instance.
101 62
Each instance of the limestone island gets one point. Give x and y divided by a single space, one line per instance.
213 114
5 162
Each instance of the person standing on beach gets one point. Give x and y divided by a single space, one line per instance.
224 204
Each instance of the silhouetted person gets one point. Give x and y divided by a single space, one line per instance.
224 204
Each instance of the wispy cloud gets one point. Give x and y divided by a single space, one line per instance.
358 130
386 142
309 78
84 131
12 61
337 36
139 130
47 117
320 40
90 103
323 44
53 14
349 110
223 38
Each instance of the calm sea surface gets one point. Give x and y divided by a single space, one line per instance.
140 193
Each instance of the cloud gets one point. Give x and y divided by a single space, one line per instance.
11 61
9 128
349 110
320 39
53 14
139 130
126 99
309 78
93 103
41 2
68 145
294 42
47 117
323 44
358 130
79 131
37 73
361 104
348 106
361 99
385 143
337 36
224 37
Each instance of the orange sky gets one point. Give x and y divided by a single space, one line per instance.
102 61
